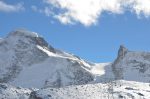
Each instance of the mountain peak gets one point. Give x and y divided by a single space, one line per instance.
122 51
28 57
23 32
27 36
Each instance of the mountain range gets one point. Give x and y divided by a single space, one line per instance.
30 68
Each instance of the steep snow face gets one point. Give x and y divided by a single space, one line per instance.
27 59
112 90
65 72
132 66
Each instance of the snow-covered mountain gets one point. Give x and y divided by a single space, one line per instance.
27 58
30 68
132 66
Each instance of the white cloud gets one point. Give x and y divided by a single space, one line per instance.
87 12
84 11
4 7
142 7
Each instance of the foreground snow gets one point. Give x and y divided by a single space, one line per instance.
11 92
113 90
119 89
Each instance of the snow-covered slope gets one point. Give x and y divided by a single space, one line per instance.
27 58
44 72
113 90
119 89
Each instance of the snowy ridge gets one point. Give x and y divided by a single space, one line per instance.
30 68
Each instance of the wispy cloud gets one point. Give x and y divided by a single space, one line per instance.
87 12
4 7
34 8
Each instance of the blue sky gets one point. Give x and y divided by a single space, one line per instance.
93 36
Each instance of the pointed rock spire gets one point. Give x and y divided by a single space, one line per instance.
122 51
117 69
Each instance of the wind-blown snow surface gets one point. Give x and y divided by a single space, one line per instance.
32 69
